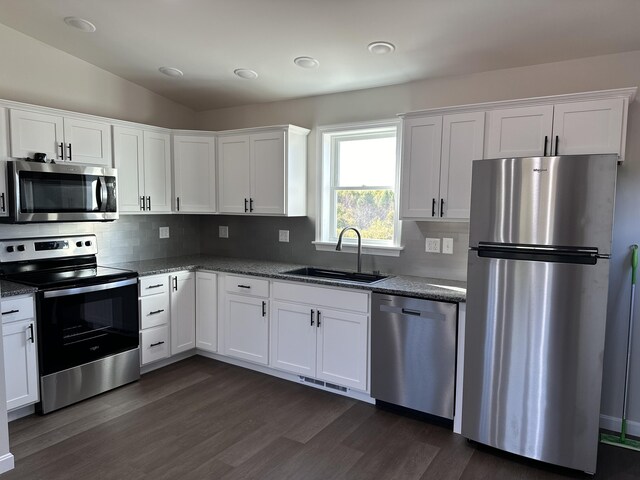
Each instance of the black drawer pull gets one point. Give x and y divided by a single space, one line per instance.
244 286
155 312
154 286
156 344
10 312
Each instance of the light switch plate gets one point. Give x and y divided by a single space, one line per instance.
447 245
283 236
432 245
223 231
164 232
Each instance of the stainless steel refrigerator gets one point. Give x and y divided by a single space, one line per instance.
540 240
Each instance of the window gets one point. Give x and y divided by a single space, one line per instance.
359 185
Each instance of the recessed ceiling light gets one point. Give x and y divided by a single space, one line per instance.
246 73
380 48
80 24
306 62
171 71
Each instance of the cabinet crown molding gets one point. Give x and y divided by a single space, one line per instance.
627 93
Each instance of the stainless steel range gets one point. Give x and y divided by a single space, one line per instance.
87 316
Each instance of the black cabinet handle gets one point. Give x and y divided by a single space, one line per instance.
61 154
149 203
70 155
264 309
3 204
433 208
156 344
175 284
10 312
244 286
142 203
557 139
178 203
318 317
157 285
245 205
31 336
155 312
251 204
442 207
312 312
546 140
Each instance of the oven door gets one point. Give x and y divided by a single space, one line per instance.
82 324
48 193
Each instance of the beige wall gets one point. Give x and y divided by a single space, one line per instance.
33 72
597 73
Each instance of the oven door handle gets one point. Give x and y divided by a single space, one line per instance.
91 288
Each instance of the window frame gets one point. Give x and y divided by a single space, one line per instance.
328 140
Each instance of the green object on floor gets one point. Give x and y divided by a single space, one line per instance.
622 440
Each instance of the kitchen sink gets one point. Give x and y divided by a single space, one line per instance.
337 275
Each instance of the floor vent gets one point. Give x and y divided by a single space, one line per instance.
322 384
335 387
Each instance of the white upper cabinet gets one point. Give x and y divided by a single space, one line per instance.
519 132
129 161
157 171
263 171
61 138
436 164
573 128
194 166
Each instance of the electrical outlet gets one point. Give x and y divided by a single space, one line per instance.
447 245
432 245
164 232
283 236
223 231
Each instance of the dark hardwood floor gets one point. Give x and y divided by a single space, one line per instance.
201 419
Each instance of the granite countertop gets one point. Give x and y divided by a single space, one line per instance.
10 289
419 287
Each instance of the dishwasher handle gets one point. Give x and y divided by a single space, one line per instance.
398 310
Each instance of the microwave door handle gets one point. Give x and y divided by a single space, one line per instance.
91 288
102 192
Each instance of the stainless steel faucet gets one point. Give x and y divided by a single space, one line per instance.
339 245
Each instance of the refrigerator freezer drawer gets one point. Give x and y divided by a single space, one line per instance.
534 345
555 201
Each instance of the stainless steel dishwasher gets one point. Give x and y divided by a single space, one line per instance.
413 353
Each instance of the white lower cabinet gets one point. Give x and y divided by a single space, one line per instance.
155 315
318 340
207 311
20 352
183 312
154 344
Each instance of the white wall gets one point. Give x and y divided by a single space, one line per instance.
597 73
33 72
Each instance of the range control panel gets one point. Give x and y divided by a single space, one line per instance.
25 249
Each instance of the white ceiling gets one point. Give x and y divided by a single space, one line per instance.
208 39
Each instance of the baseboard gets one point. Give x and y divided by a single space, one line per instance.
614 424
150 367
6 462
21 412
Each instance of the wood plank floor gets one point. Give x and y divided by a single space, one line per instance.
201 419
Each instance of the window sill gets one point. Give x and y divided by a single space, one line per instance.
382 250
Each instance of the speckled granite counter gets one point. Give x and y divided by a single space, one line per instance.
420 287
10 289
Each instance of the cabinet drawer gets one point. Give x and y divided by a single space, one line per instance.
247 286
17 309
335 298
154 344
154 311
153 285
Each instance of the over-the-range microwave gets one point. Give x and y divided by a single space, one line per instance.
47 192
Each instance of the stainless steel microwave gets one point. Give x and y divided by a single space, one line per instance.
46 192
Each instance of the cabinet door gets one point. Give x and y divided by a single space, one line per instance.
194 161
342 348
4 155
246 328
207 311
128 159
588 127
462 142
519 132
267 173
234 175
157 171
21 370
293 338
87 142
183 312
33 132
421 147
